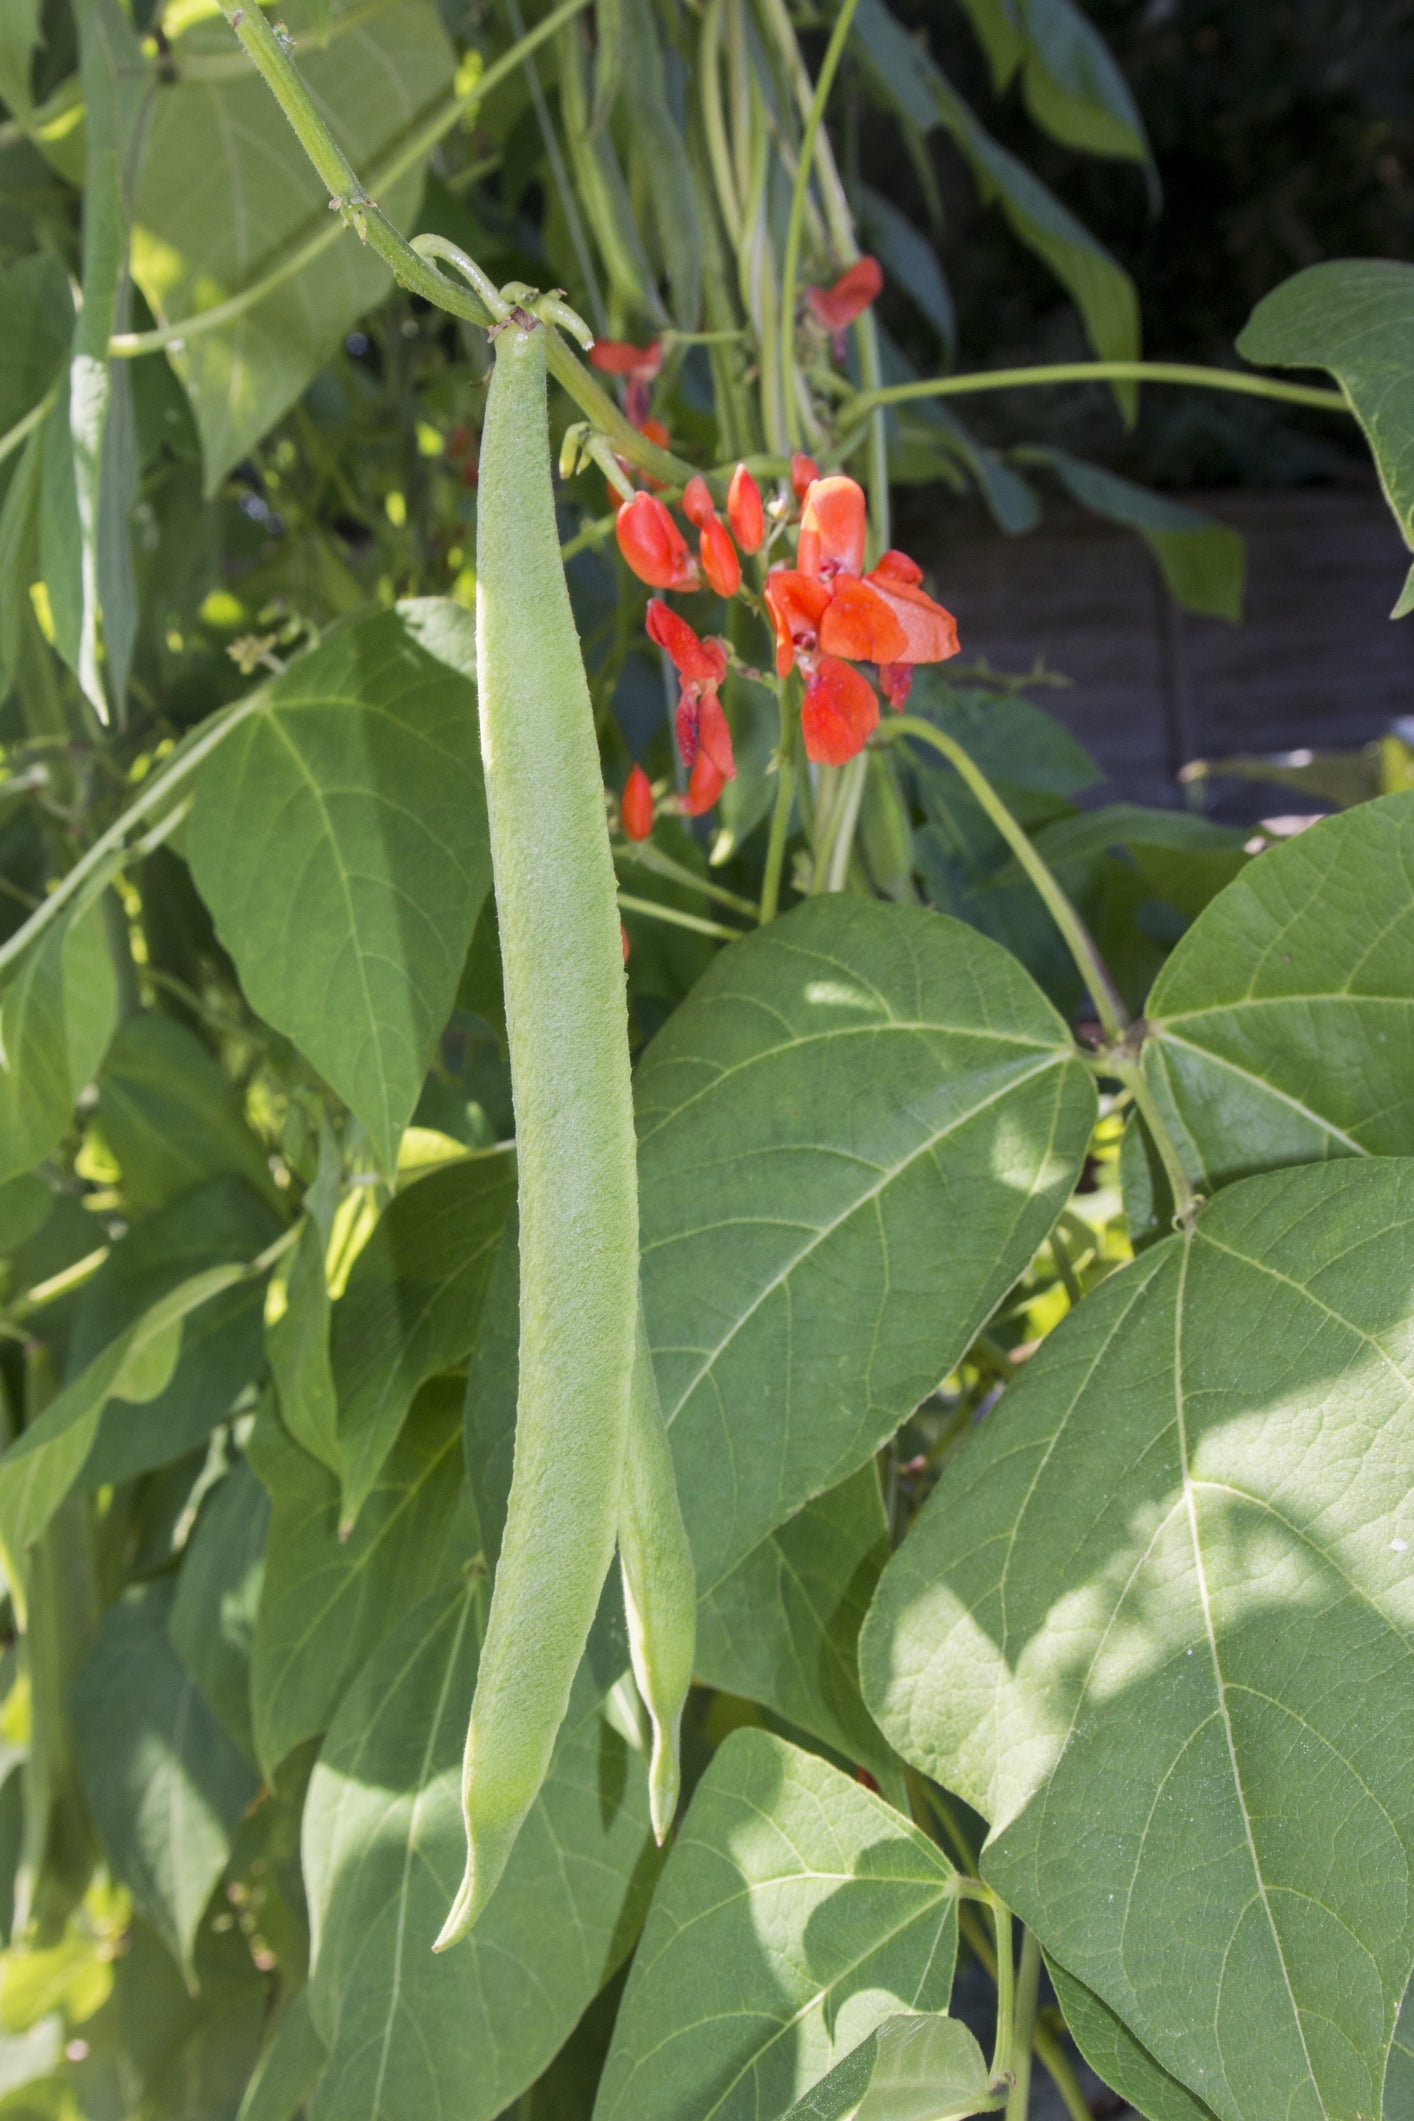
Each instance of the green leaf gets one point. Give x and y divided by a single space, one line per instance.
289 2068
327 1603
19 39
217 1597
55 1024
909 259
1203 562
1115 2055
1399 2077
36 323
1154 1625
1355 317
796 1913
412 1305
810 1121
170 1117
909 2069
226 199
297 1343
212 1225
19 558
339 838
783 1627
461 2032
41 1466
165 1785
186 2057
1073 85
1280 1027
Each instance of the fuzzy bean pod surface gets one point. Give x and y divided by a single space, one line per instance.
567 1027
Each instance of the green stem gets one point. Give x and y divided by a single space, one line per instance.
568 204
1027 1983
23 428
851 798
1006 1995
1180 372
790 272
417 273
654 859
653 910
780 815
709 61
1056 2063
1120 1061
1078 940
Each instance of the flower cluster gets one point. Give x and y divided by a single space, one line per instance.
828 614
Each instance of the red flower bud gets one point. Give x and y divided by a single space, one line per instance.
744 511
652 544
718 555
804 471
697 501
851 295
699 663
636 805
704 788
616 357
840 713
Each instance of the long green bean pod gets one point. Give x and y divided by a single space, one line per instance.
660 1591
567 1026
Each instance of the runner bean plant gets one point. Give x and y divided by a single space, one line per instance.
553 1011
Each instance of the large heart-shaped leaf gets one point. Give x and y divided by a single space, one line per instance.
339 837
797 1911
853 1135
463 2032
227 200
328 1602
1154 1624
1354 316
1280 1029
1113 2053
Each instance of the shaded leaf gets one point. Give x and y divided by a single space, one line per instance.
805 1279
464 2031
328 1602
289 2068
347 810
1073 85
412 1304
1354 316
165 1785
909 2069
1154 1625
796 1913
297 1343
1203 562
36 319
227 199
217 1596
1115 2055
1280 1027
55 1024
171 1117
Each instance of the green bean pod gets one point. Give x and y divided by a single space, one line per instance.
567 1029
660 1592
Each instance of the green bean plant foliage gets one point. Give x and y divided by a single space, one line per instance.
707 1382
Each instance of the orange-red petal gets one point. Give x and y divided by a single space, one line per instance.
804 471
858 286
929 631
744 511
705 786
840 713
652 544
896 566
715 737
718 556
698 662
859 623
697 501
636 805
896 682
832 528
796 603
616 357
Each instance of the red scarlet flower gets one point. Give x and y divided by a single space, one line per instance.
855 289
804 471
697 501
616 357
832 529
718 555
636 805
652 544
744 511
702 726
797 603
705 786
926 632
701 664
895 682
840 713
897 568
858 622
